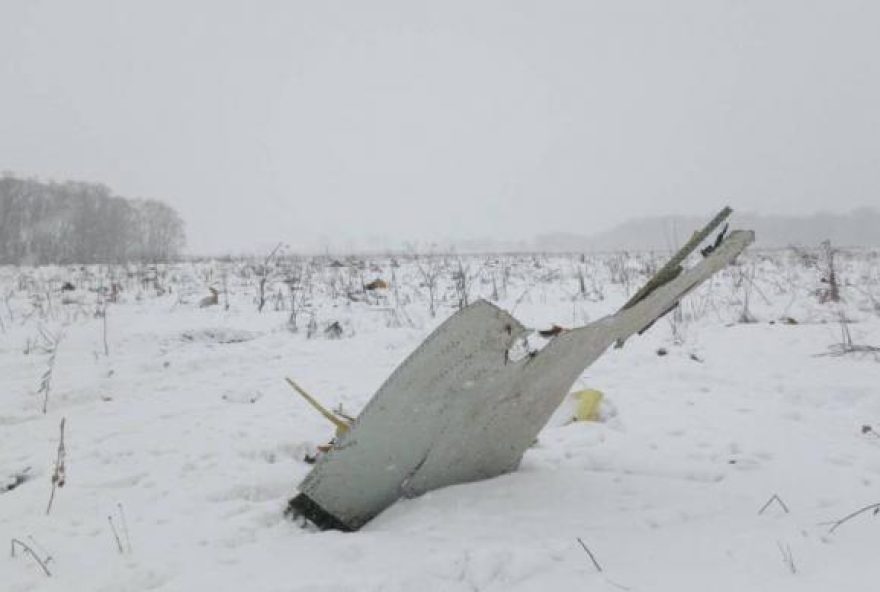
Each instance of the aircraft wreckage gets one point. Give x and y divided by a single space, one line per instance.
459 409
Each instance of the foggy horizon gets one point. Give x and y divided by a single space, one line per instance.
353 127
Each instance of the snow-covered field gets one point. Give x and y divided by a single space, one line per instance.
183 443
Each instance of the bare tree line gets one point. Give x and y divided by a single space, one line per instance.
76 222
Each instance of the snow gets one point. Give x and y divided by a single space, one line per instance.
187 437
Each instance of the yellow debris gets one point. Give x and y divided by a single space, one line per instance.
587 404
341 425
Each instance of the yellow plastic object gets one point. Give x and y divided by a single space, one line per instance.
587 404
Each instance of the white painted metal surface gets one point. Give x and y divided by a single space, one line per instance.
459 410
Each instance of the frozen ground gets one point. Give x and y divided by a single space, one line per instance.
183 432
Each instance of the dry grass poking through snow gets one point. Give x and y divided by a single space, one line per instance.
180 415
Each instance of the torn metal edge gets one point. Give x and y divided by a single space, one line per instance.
303 505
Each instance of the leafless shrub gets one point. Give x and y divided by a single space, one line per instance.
312 328
461 283
264 271
831 293
582 282
677 325
619 271
463 279
293 290
16 479
429 269
7 297
398 317
101 312
225 290
744 280
846 345
45 388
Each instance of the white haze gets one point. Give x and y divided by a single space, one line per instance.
369 124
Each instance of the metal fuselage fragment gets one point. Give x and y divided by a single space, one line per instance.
458 409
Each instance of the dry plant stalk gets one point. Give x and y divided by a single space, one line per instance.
590 553
59 474
116 535
773 498
126 548
787 557
875 508
30 552
46 380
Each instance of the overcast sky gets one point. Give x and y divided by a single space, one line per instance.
365 124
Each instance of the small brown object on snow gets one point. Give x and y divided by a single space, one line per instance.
210 300
376 284
551 332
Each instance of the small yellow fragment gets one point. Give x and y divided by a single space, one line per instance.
587 404
341 425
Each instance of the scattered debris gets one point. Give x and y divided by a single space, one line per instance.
211 300
588 402
377 284
16 479
709 249
551 332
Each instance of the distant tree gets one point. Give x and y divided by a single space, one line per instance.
76 222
